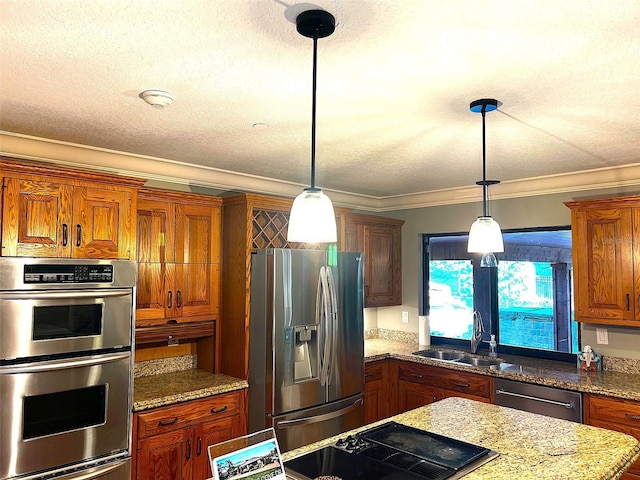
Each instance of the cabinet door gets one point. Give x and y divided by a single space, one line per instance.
36 218
603 264
197 234
197 289
376 391
155 250
166 456
101 223
212 433
413 395
383 284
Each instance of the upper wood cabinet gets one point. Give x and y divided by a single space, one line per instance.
251 222
178 257
54 212
606 260
380 240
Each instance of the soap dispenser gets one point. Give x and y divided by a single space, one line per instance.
493 346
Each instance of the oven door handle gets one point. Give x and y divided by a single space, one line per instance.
31 295
94 473
64 364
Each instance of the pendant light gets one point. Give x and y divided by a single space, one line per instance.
312 219
485 235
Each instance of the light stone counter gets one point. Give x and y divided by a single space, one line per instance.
169 388
531 447
618 384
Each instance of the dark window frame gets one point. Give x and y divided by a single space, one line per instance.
490 327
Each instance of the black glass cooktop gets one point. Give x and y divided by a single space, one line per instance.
391 451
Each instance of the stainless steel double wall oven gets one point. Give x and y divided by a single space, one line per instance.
66 335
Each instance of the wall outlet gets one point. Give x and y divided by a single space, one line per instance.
405 317
602 336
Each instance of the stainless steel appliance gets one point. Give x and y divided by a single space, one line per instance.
553 402
306 347
391 451
66 331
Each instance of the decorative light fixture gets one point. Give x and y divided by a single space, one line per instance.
156 98
312 218
485 235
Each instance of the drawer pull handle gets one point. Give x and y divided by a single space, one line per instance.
188 449
461 384
417 375
219 410
368 374
628 303
65 234
164 423
78 235
632 417
199 447
179 302
170 299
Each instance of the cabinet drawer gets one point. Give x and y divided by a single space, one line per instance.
372 372
454 380
626 412
165 419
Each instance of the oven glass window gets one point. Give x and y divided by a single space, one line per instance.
59 412
66 321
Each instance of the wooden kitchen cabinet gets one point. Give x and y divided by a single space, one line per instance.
171 442
380 240
606 260
615 414
53 212
420 384
251 222
179 251
376 391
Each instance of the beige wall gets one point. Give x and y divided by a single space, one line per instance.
539 211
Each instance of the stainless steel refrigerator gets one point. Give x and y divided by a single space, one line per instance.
306 344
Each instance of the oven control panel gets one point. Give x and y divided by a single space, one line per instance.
57 273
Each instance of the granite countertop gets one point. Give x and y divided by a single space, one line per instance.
531 446
540 371
168 388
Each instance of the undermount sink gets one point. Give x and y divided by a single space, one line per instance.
454 356
478 362
440 354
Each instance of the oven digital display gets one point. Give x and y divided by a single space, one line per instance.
57 273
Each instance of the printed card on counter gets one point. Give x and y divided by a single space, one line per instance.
252 457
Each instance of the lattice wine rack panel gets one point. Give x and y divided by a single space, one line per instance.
270 231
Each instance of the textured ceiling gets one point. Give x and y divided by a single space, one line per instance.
394 85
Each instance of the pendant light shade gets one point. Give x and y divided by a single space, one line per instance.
312 219
485 235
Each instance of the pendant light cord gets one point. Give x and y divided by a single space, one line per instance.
485 187
313 111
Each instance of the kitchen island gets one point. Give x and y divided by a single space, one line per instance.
530 446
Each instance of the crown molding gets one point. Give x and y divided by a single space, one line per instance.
163 170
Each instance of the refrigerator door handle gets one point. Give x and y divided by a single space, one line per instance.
326 324
319 418
333 319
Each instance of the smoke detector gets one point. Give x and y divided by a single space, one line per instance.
156 98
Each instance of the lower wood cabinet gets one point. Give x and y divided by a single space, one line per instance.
377 396
615 414
170 443
423 384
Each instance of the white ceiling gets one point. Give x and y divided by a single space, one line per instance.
394 85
